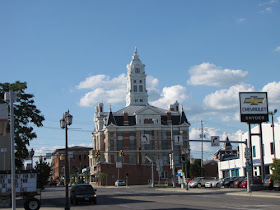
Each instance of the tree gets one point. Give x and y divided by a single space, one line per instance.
195 168
43 173
275 167
102 177
26 114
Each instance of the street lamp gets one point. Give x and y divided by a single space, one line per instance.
151 160
31 153
64 122
272 125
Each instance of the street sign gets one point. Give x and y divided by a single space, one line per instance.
248 166
215 140
118 164
247 153
253 107
178 140
145 139
4 149
184 151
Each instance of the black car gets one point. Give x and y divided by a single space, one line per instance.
82 192
221 183
229 182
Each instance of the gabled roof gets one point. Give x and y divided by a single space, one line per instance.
183 118
131 110
111 119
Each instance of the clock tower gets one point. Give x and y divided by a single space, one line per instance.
136 94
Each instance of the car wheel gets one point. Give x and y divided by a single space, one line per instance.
239 185
218 185
231 185
32 204
198 185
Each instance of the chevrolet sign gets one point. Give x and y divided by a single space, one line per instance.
253 107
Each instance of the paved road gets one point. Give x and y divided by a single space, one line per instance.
143 197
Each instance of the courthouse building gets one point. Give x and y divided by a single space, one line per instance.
124 129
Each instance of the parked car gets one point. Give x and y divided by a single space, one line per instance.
60 183
276 185
221 182
268 182
120 183
237 183
200 181
82 192
256 180
212 183
52 183
229 182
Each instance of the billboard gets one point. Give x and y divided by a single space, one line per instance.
253 107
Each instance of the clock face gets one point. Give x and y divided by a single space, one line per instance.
137 70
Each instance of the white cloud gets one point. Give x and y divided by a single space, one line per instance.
212 75
268 9
277 49
226 99
102 81
241 20
112 91
169 95
152 86
273 94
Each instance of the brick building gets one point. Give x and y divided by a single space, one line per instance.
124 130
78 159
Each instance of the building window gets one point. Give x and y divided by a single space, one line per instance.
85 157
132 159
141 100
120 144
135 88
164 175
271 148
137 70
134 81
254 151
165 159
140 88
111 143
131 141
80 158
176 159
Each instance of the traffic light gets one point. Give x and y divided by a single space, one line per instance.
121 153
183 158
97 154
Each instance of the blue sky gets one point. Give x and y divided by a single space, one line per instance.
73 55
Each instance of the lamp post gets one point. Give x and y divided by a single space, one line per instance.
10 97
151 159
31 155
272 125
172 155
64 122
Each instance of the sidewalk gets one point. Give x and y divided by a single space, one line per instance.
226 191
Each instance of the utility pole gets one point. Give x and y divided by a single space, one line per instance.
201 136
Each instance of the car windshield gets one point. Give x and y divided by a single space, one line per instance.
84 188
196 179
